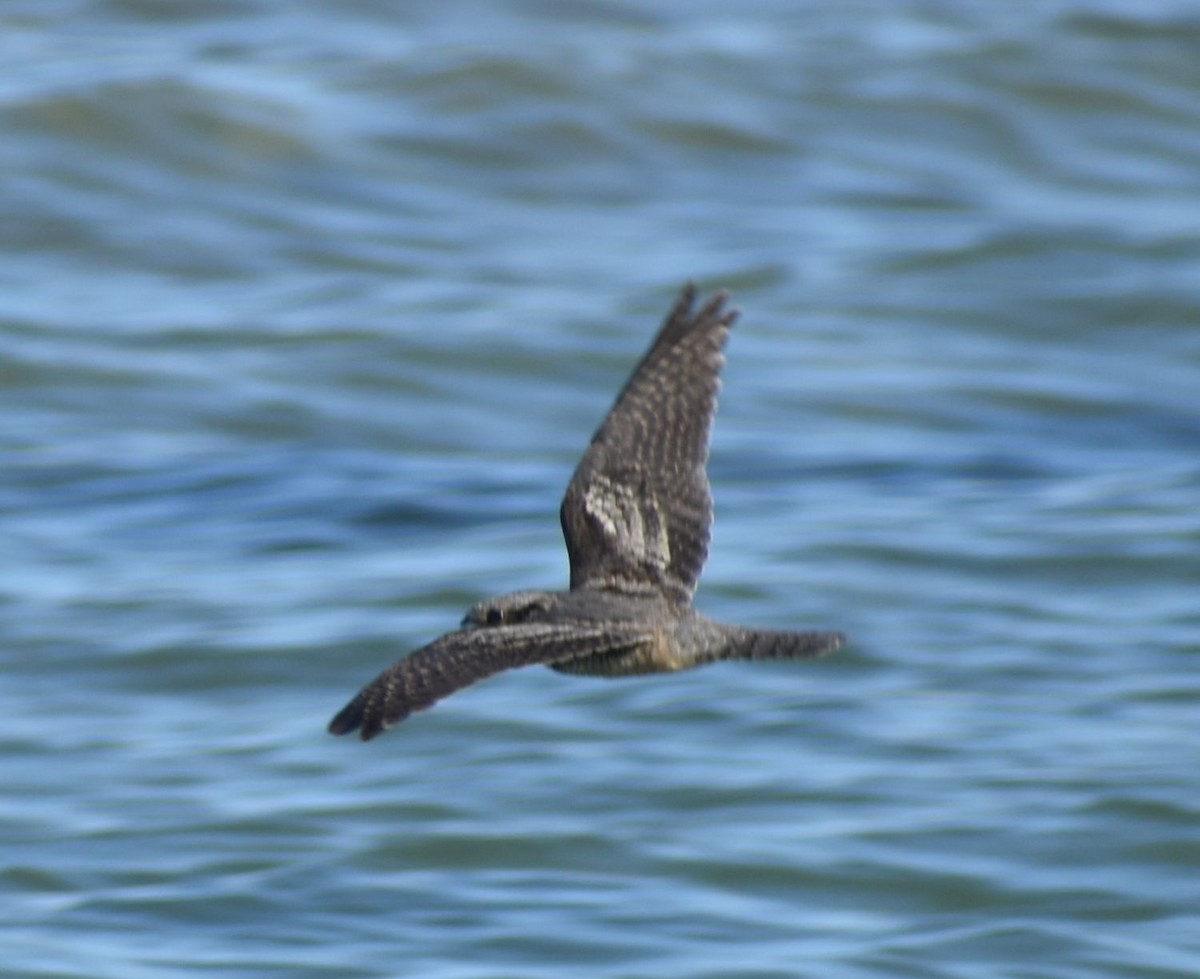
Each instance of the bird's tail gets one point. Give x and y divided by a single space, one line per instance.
755 644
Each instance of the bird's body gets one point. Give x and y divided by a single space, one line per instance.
636 518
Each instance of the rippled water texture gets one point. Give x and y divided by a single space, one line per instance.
307 310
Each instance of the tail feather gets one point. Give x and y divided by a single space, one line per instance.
754 644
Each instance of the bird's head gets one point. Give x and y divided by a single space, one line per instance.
521 606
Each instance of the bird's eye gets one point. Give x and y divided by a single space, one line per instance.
493 616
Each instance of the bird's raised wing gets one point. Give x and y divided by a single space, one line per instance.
637 512
460 658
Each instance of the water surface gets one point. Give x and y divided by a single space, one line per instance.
307 311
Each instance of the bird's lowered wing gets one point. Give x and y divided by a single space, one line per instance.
460 658
638 509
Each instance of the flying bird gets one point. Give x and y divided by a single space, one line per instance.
636 517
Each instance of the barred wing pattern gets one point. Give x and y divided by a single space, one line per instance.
460 658
637 512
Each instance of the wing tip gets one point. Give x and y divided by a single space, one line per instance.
348 719
713 308
355 717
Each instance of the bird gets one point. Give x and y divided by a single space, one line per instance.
636 518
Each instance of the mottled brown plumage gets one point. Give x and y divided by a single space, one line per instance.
638 510
636 518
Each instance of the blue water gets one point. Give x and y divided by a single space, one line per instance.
308 309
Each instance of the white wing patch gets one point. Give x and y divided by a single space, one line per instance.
632 522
